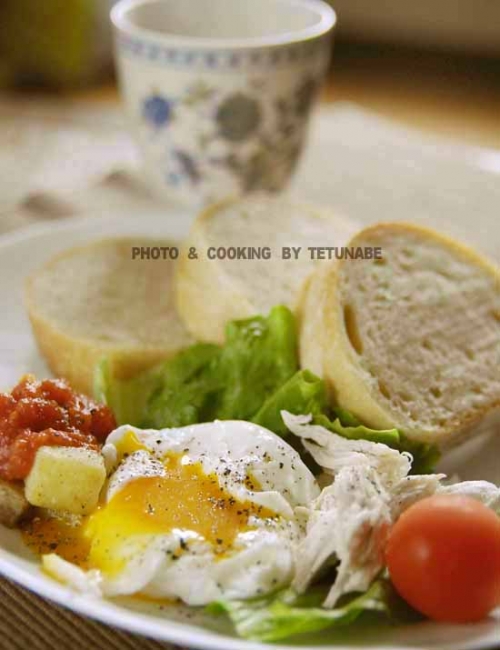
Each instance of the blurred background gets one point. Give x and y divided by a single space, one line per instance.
433 64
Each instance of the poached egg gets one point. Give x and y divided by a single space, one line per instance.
197 513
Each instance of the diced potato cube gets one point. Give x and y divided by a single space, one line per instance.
66 478
13 503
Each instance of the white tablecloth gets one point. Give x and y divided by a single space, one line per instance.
59 159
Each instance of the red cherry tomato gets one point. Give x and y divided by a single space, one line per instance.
443 556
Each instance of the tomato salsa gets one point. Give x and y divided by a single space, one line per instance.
48 412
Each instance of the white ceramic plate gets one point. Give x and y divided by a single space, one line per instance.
22 252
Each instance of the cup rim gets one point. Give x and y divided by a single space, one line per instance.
327 19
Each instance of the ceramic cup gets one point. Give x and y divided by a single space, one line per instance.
219 92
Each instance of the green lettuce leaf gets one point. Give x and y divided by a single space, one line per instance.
127 398
258 357
285 614
389 437
176 392
302 393
186 389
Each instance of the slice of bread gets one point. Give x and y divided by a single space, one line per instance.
411 341
95 301
212 292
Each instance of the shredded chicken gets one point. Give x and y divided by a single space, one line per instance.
483 491
349 522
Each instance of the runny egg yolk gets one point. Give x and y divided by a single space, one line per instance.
128 443
185 499
53 535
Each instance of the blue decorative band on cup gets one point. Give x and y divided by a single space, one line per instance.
223 59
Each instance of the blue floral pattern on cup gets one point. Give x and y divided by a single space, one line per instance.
232 134
157 110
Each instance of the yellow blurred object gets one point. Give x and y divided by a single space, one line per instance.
50 42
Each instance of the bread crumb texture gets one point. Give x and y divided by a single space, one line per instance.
424 324
99 292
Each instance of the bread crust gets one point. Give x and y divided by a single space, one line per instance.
13 503
323 336
206 297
